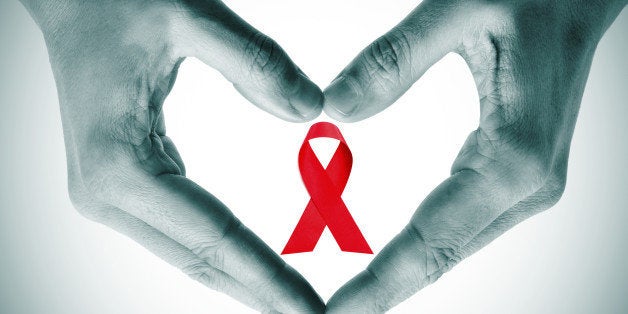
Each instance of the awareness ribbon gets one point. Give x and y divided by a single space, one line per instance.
326 207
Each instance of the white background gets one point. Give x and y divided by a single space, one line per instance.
570 259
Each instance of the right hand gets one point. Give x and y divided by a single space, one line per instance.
114 63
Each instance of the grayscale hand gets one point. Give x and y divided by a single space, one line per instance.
114 63
530 60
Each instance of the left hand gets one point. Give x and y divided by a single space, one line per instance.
530 60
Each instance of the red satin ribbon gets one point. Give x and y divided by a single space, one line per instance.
326 207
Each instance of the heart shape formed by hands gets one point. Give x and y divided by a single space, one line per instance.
529 60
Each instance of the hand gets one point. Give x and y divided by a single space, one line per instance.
530 60
114 63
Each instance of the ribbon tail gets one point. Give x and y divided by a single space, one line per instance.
307 232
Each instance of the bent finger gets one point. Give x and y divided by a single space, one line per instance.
386 69
191 216
256 65
434 241
177 255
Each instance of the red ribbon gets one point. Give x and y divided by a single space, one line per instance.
326 207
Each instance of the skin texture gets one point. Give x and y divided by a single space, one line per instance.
114 63
530 61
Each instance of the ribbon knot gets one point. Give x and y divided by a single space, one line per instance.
325 187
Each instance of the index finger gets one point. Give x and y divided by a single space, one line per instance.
193 217
431 244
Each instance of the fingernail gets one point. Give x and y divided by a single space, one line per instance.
340 98
301 72
309 101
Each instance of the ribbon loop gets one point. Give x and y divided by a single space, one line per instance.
326 207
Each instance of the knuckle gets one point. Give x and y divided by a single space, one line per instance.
522 174
516 164
77 194
531 170
108 169
212 250
266 55
85 204
554 186
101 182
100 164
386 54
104 174
84 201
204 273
441 251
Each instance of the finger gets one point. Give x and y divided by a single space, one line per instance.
374 290
256 65
407 264
444 231
168 145
543 199
189 215
450 216
169 250
385 70
177 255
382 274
480 190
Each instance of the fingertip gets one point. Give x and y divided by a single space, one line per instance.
342 100
303 102
295 294
297 100
307 103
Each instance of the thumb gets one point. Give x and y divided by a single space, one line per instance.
387 68
256 65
